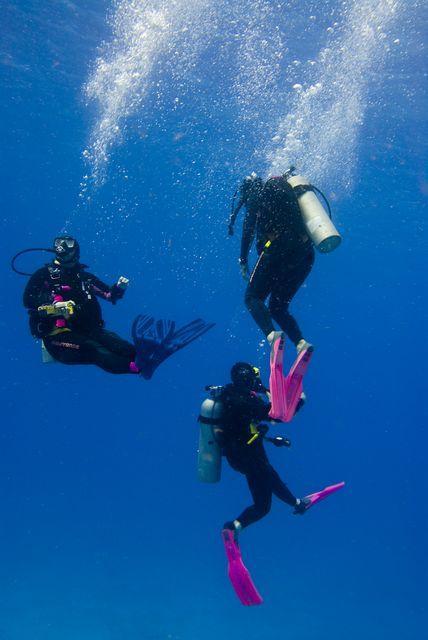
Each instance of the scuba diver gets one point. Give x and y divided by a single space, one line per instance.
64 312
286 253
231 425
241 432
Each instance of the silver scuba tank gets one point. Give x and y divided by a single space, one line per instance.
318 224
209 450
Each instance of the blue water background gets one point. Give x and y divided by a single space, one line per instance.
105 533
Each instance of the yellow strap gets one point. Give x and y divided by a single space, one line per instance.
254 431
267 245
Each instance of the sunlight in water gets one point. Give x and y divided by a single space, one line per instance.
143 32
160 45
319 132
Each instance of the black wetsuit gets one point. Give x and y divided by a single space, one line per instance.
286 256
241 408
82 340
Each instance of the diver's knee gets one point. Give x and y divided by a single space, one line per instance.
263 509
278 309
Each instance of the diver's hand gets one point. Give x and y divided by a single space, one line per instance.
245 273
118 290
122 283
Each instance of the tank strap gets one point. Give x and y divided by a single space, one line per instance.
302 188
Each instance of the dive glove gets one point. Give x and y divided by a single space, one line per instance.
118 290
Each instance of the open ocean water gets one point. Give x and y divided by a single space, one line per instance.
130 124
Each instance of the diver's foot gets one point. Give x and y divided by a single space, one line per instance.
235 526
302 401
149 365
273 336
146 371
301 506
303 345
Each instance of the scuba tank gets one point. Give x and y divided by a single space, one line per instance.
209 450
46 356
318 222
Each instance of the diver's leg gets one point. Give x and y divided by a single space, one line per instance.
257 291
112 362
74 348
115 343
280 489
69 348
259 484
285 286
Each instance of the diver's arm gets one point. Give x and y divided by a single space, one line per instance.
35 292
261 409
111 293
248 234
233 217
249 405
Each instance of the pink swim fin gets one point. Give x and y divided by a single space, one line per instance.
324 493
238 572
286 390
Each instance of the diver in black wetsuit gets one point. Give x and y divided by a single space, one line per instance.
241 439
286 254
77 336
61 299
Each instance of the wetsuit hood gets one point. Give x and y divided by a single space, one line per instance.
246 377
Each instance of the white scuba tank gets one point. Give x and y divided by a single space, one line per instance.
318 224
209 450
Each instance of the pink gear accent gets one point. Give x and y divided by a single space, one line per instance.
133 368
238 573
286 390
324 493
60 322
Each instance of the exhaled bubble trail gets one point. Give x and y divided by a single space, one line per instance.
319 133
165 39
143 32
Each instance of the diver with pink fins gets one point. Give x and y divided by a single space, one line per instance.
233 425
287 220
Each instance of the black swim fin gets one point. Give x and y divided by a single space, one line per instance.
184 336
155 341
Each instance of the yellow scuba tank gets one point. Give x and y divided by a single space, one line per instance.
209 450
317 221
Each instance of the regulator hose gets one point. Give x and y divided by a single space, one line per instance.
20 253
